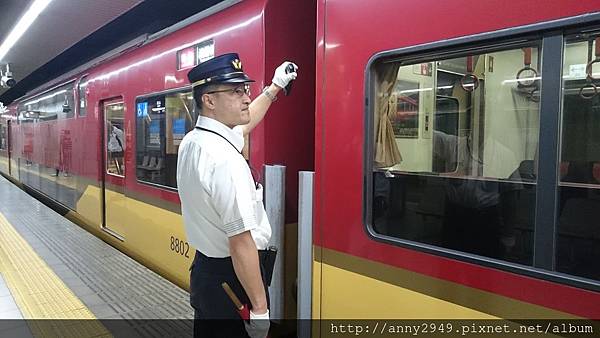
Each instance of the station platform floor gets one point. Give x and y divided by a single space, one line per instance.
57 280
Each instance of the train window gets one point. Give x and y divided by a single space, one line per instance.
83 96
162 121
578 236
454 150
3 137
115 138
54 105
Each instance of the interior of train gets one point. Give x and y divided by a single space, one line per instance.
162 122
456 154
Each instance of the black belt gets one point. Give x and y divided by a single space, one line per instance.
224 265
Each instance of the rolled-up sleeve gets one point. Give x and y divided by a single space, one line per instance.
232 196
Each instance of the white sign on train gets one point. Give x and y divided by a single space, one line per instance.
577 71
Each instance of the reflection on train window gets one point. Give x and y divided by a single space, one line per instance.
455 146
54 105
83 96
162 121
115 138
578 237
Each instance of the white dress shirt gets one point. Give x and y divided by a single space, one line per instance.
219 198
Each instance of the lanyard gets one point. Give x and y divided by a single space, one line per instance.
225 138
239 152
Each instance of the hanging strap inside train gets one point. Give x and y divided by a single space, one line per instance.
590 79
530 78
469 76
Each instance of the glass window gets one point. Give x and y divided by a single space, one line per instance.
83 96
114 113
578 237
3 137
455 144
54 105
162 121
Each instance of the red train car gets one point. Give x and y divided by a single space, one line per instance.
484 201
455 148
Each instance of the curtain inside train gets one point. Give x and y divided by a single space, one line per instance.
387 153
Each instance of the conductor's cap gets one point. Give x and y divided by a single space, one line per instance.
226 68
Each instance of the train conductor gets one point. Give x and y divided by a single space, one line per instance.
221 204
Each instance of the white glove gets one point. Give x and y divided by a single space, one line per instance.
258 325
281 79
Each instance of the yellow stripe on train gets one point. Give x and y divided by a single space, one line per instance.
153 236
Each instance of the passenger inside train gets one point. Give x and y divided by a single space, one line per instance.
115 148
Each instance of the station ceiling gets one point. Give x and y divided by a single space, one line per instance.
68 33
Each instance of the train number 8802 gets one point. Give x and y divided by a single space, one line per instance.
180 247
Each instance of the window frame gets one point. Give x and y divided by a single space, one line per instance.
147 95
552 35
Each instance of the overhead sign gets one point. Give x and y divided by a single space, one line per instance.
187 58
206 51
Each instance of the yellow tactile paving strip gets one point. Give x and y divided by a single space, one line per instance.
40 294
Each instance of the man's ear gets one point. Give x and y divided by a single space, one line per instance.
208 101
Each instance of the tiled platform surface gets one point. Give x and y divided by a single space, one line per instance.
8 306
110 284
11 315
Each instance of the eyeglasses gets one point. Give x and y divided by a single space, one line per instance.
239 90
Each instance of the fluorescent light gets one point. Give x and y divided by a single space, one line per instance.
26 20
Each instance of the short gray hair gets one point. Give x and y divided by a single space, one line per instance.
198 91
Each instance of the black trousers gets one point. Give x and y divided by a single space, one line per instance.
215 315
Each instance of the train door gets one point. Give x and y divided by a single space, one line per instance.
113 171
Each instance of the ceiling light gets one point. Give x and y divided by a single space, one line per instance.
26 20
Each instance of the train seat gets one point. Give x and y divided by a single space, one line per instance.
578 237
432 202
519 200
525 171
151 164
574 220
581 172
157 169
145 162
564 169
159 164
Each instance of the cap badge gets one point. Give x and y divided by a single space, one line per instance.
237 64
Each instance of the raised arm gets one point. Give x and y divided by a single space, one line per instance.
258 108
